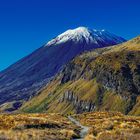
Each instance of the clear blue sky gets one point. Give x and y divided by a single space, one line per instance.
27 24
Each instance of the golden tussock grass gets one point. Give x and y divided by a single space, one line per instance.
36 127
110 126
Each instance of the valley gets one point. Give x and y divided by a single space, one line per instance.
82 85
69 69
85 126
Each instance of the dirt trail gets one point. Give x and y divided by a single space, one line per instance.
84 129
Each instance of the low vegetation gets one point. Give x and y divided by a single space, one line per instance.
110 126
103 126
36 127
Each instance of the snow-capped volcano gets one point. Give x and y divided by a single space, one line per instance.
23 79
83 34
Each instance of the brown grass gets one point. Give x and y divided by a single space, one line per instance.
36 127
110 126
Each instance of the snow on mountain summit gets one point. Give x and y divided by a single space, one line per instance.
75 35
82 34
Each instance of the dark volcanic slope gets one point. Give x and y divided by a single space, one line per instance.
23 79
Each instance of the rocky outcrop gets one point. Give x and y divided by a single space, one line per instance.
124 80
79 105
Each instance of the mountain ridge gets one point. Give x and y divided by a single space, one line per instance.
103 79
25 78
81 34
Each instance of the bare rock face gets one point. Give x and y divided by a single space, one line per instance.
79 105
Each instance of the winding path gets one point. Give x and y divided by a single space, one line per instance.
84 129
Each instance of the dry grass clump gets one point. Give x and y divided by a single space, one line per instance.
36 127
110 126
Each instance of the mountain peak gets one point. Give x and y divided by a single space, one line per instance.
79 30
84 34
26 77
71 34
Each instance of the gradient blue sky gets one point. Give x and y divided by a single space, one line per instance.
27 24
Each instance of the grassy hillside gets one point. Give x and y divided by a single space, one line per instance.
104 79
